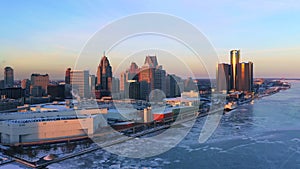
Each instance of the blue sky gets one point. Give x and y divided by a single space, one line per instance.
47 36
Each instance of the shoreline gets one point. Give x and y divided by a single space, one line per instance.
131 136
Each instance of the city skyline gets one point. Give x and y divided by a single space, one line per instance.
267 36
150 84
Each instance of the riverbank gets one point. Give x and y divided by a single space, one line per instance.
42 164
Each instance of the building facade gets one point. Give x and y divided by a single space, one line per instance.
236 76
39 80
8 77
25 84
151 76
80 83
104 75
234 61
224 77
68 76
245 77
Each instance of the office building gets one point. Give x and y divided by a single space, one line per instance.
92 84
8 77
56 92
236 76
126 77
25 84
68 76
234 61
135 89
223 77
173 86
152 76
245 77
39 80
12 93
80 83
104 75
115 85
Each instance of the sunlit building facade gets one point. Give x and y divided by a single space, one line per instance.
235 76
80 83
104 75
234 61
39 81
245 77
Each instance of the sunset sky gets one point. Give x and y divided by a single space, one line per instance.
48 36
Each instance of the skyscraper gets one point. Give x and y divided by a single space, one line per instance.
151 76
124 84
129 74
92 84
234 61
8 77
41 82
223 77
245 76
68 76
104 75
25 84
151 61
80 83
115 85
236 76
172 85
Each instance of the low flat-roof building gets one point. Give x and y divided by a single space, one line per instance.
49 123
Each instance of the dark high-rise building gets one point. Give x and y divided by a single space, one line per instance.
152 76
25 84
134 88
56 92
160 79
172 86
234 61
245 77
104 75
2 86
68 76
237 76
12 93
223 77
146 76
8 77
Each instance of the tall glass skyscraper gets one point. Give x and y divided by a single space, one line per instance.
104 75
235 76
80 83
234 61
